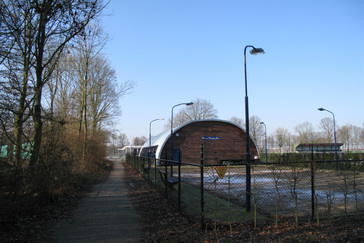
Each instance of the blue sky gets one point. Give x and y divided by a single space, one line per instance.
178 51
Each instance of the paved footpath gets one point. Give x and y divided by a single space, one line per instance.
105 215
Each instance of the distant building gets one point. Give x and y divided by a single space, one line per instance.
318 147
131 149
223 142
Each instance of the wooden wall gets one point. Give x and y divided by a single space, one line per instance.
222 141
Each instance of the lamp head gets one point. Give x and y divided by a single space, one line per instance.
261 122
256 51
191 103
321 109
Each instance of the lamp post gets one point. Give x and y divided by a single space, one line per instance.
254 51
187 104
323 109
265 132
150 139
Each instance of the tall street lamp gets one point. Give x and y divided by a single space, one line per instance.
265 132
187 104
254 51
150 138
323 109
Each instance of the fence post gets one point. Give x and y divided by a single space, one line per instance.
312 185
148 169
202 190
155 171
165 178
313 190
248 187
141 166
179 178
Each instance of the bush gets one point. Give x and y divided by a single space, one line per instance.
287 157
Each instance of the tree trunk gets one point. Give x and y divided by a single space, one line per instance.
85 110
19 119
37 116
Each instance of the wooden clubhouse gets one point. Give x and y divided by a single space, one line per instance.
223 142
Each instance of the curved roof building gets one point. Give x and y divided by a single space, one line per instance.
222 140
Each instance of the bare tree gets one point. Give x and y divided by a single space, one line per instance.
122 140
361 138
238 121
345 134
97 92
305 132
48 26
139 141
327 125
281 137
18 37
271 141
357 131
200 110
104 94
350 135
256 130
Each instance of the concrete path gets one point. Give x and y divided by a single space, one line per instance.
105 215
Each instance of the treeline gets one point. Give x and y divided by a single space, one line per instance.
58 94
281 140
